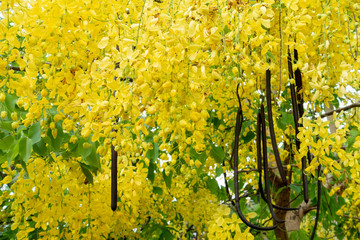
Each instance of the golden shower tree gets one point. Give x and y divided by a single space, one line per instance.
185 95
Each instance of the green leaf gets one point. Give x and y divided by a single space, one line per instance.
196 187
40 148
6 157
25 148
312 187
152 155
231 184
217 153
166 234
93 158
246 124
296 188
226 29
269 54
294 235
197 156
285 120
302 235
35 133
10 101
218 171
6 142
87 173
354 132
12 153
167 179
158 190
249 136
213 186
84 152
335 102
299 198
23 164
6 125
151 172
214 120
56 142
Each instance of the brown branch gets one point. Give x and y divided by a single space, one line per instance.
333 235
255 169
354 105
14 68
354 217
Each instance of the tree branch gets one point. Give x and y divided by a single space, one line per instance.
14 68
354 217
255 169
354 105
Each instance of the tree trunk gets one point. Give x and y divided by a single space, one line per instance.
282 199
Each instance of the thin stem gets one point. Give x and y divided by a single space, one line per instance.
89 216
350 40
357 36
221 23
138 30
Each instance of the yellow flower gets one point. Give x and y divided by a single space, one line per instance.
2 97
3 114
14 116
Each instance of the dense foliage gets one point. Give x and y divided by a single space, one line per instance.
157 80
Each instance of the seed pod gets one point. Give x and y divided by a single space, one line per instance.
300 97
296 121
298 81
113 178
260 116
239 120
266 167
271 128
318 204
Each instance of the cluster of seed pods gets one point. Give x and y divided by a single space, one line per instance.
262 162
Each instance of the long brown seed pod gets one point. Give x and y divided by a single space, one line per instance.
266 167
271 128
113 178
318 204
114 159
300 98
259 162
239 120
296 121
298 81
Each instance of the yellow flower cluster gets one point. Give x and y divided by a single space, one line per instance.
157 80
